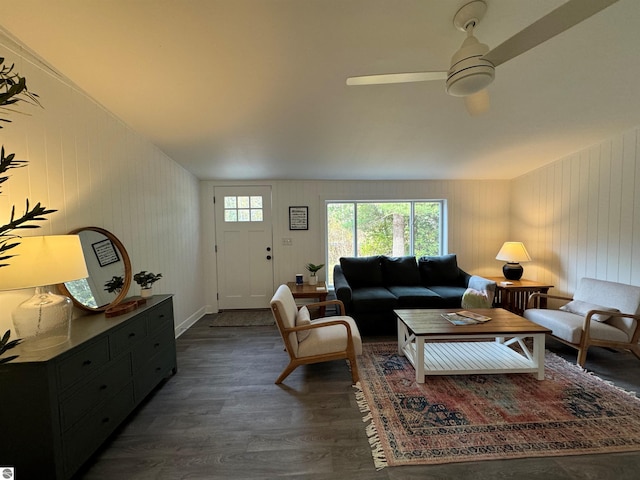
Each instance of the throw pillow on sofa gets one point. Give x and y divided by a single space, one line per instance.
400 271
362 271
440 270
582 308
473 298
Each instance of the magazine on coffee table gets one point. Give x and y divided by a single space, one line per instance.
465 317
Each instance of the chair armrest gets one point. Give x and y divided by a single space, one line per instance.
536 295
327 302
587 321
321 325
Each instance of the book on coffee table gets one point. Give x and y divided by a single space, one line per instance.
465 317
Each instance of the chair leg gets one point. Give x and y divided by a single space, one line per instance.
355 376
285 373
582 356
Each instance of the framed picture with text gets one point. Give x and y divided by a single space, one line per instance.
298 218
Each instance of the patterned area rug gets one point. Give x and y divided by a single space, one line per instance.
484 417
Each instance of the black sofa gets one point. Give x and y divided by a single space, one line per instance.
372 287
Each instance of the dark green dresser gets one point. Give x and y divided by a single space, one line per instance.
57 406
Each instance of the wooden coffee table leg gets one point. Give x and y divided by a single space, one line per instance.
538 354
419 359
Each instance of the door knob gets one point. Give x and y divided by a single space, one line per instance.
268 257
268 249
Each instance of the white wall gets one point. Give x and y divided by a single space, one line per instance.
580 216
95 170
477 213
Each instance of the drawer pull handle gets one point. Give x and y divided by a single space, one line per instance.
158 369
86 363
106 420
103 387
156 345
132 334
161 316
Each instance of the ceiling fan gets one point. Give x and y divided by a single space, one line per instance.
473 65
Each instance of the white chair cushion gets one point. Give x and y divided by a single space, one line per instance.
568 326
330 339
303 318
582 308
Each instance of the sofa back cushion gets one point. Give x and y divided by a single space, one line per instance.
400 271
362 271
439 270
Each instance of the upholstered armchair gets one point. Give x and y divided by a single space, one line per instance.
312 341
601 313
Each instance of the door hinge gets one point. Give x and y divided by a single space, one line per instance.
215 248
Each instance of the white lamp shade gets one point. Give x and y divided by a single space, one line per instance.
513 252
44 260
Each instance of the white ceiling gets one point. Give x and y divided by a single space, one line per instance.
255 89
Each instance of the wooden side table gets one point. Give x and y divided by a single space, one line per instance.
513 295
305 290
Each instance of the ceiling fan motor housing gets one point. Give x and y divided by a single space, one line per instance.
469 72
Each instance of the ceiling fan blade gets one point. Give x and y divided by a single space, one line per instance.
396 78
478 103
562 18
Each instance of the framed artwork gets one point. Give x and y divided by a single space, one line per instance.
298 218
105 252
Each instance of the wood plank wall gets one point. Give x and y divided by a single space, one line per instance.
95 170
580 216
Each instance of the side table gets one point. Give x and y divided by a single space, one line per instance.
305 290
513 295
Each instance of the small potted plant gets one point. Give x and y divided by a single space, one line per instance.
313 269
114 285
146 280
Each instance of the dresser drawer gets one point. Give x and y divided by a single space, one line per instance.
89 395
125 337
159 367
88 359
159 317
86 436
145 352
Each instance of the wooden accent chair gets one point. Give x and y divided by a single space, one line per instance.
313 341
601 314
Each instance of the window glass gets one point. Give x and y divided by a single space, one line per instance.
243 209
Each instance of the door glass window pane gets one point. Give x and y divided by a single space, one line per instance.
243 209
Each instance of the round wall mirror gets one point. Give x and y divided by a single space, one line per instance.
109 270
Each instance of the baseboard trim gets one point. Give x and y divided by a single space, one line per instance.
190 321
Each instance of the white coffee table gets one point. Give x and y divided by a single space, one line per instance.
434 346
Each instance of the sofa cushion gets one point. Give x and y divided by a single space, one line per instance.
472 298
411 296
451 296
582 308
400 270
303 318
440 270
362 271
373 299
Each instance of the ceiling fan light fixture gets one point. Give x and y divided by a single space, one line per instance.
470 79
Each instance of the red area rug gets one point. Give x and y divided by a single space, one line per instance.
485 417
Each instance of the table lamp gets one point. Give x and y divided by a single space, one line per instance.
513 253
44 320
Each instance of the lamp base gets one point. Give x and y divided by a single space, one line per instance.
44 320
512 271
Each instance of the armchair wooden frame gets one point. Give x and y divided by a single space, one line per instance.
294 361
586 340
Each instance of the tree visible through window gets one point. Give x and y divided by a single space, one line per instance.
360 229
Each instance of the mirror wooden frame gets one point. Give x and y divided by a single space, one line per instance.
127 272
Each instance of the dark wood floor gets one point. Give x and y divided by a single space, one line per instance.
222 417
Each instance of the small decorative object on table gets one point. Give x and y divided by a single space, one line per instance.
313 269
146 280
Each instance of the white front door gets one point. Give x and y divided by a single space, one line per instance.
244 247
